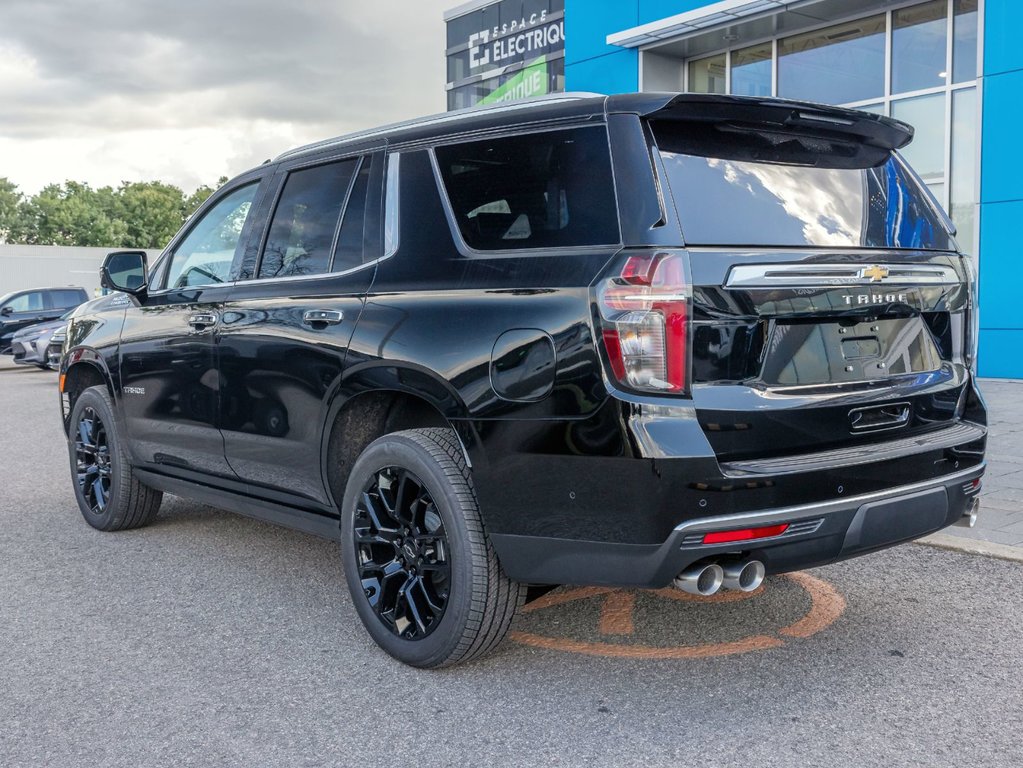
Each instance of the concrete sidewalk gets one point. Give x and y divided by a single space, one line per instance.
1001 506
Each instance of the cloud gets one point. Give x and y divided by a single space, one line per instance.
104 90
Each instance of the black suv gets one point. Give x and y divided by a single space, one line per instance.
21 309
632 340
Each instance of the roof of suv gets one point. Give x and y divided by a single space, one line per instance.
876 130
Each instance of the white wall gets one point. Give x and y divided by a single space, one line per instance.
44 266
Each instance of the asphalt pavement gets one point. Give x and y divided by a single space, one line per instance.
212 639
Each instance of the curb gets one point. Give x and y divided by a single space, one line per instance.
973 546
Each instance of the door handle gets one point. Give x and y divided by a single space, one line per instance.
322 317
201 320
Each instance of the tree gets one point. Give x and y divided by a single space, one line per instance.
75 214
201 195
152 212
12 223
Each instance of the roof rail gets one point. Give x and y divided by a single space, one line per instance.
443 117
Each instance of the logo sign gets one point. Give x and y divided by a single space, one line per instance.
874 273
531 81
516 41
861 299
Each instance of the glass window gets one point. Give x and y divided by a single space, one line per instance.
351 250
964 41
727 191
207 252
926 153
751 71
707 75
536 190
26 302
836 65
305 222
919 39
878 108
62 299
962 191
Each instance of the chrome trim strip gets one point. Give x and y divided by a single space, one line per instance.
783 514
963 432
825 275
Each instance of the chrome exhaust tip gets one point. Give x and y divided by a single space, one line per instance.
969 518
744 575
701 579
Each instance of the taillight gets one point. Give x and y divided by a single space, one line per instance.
645 315
972 331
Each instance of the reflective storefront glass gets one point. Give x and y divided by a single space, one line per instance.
910 63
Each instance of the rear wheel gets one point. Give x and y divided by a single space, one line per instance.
109 495
421 570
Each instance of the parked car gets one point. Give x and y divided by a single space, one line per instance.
636 340
30 345
56 347
23 308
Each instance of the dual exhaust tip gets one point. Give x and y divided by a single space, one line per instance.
705 579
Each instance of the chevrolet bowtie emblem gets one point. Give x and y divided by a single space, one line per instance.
875 273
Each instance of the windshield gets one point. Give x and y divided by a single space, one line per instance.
760 189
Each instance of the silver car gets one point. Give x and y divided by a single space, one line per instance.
30 345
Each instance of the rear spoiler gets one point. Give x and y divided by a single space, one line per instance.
875 131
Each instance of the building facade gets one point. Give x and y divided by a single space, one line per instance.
951 68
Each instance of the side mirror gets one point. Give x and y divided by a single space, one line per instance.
6 311
125 271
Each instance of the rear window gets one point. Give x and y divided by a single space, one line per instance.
760 188
537 190
63 299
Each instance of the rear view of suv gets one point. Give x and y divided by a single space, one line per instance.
635 340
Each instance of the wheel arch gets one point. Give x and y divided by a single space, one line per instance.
377 399
83 368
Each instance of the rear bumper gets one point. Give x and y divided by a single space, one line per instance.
818 533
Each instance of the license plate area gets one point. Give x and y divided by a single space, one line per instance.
831 352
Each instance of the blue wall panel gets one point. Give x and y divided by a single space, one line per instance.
1000 137
655 10
589 22
1001 354
1003 20
613 73
1001 193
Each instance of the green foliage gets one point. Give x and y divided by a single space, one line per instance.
135 215
11 214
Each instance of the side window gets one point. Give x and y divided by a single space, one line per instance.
27 302
206 253
537 190
302 233
359 239
66 299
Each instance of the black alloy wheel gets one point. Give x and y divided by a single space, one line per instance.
421 570
109 495
402 553
92 457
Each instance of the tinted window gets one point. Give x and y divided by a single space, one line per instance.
206 253
727 192
358 241
304 224
26 302
62 299
537 190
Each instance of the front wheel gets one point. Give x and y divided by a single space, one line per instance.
110 496
422 572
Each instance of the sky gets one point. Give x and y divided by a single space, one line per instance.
186 91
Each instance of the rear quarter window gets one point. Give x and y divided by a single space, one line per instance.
536 190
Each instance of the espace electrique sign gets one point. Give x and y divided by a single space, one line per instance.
516 41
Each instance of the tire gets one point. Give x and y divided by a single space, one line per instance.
109 495
421 570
